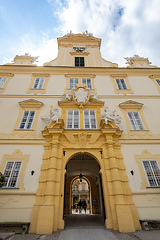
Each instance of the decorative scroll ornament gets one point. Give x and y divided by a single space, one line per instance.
81 95
111 116
53 116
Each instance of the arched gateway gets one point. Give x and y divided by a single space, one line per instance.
101 143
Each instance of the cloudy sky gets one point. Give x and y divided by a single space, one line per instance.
126 27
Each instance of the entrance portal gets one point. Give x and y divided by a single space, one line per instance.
83 183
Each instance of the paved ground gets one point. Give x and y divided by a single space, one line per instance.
85 227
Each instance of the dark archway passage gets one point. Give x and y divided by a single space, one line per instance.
84 167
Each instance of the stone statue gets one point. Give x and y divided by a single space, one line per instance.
67 95
94 96
53 116
111 116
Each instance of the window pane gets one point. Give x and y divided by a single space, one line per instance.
73 119
89 119
79 61
2 81
86 119
123 84
27 120
38 84
158 81
93 119
135 121
87 82
118 83
73 82
11 173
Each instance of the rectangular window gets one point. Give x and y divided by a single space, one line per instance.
11 173
79 61
73 82
152 172
2 81
27 120
87 82
89 119
135 121
158 82
38 84
72 119
121 84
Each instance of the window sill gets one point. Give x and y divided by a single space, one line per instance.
8 188
24 130
33 89
154 187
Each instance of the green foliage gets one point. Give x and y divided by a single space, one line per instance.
2 179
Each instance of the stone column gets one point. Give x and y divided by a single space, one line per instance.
41 188
121 212
45 212
47 221
127 190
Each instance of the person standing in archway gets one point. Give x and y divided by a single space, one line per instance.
80 206
84 205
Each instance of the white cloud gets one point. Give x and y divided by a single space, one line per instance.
45 48
126 27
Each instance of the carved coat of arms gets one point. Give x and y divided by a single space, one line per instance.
81 95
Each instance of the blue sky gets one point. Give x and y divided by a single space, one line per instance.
126 27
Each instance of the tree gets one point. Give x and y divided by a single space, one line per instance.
2 179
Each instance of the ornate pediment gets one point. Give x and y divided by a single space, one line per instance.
81 38
138 62
130 105
31 103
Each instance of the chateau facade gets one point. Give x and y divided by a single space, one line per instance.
79 117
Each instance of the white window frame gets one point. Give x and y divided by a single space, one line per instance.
38 83
87 82
121 84
2 81
27 120
158 82
13 176
73 82
89 120
152 178
72 120
136 123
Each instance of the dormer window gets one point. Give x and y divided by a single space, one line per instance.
79 61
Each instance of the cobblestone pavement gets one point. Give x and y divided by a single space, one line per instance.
85 227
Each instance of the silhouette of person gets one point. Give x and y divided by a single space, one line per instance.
80 206
84 205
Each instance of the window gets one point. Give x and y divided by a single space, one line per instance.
87 82
135 121
158 82
73 119
89 119
2 81
27 120
121 83
11 173
152 172
73 82
75 188
83 187
79 61
38 84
